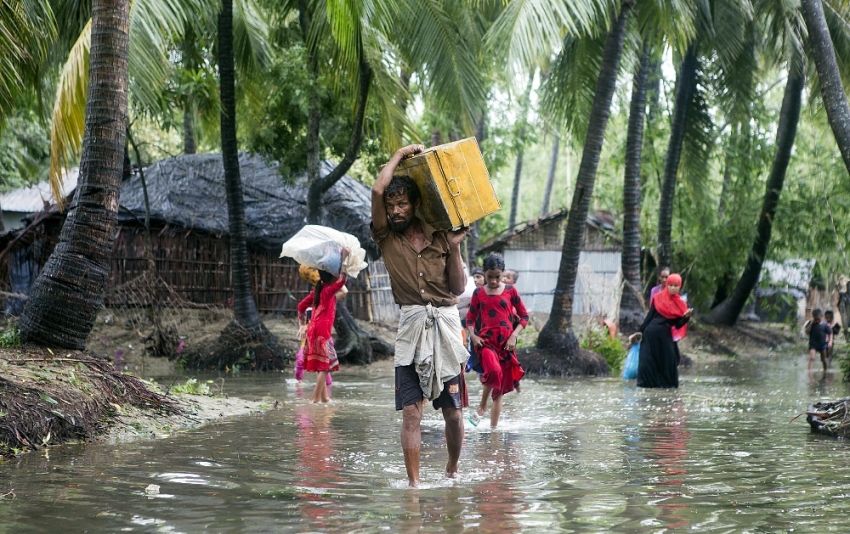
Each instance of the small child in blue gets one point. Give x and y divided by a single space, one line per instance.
820 334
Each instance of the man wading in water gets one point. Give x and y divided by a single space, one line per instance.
426 274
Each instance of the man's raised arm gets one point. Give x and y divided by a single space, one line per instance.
379 213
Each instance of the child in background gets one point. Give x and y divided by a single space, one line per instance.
820 335
478 276
311 276
495 340
833 325
319 352
510 277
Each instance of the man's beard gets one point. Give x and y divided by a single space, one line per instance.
401 226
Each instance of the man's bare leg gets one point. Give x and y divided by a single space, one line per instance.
496 411
454 438
411 440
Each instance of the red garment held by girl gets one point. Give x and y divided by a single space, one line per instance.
319 352
501 368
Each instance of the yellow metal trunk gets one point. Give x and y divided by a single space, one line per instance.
454 182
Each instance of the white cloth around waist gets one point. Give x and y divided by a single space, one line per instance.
430 337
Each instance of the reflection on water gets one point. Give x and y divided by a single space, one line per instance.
570 455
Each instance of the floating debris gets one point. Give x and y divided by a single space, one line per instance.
830 418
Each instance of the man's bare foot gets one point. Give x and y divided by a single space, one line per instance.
451 470
413 483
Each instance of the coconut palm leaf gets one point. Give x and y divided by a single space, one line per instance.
528 31
837 14
567 94
26 29
154 26
250 38
69 111
444 55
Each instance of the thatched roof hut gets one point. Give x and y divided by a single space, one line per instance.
190 233
187 192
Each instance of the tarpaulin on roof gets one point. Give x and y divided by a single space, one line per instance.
188 191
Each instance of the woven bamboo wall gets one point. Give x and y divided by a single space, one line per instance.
197 268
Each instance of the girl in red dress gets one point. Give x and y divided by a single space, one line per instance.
319 352
495 339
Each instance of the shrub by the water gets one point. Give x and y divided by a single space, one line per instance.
10 338
611 349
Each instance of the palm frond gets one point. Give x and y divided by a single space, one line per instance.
837 14
699 141
69 111
345 23
153 26
434 46
528 31
671 21
27 28
250 37
571 85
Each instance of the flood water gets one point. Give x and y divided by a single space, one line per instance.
578 455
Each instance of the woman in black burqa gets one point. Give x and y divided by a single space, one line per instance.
665 324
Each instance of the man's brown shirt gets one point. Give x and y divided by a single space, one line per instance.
417 278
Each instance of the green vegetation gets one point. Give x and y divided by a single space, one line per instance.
10 338
193 387
612 349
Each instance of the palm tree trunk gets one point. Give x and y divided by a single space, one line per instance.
727 173
320 185
834 97
557 335
67 295
189 145
631 303
685 86
550 180
244 308
520 149
314 111
728 311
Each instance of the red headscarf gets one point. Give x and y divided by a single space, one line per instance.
671 306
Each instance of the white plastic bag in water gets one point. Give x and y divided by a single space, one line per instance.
321 247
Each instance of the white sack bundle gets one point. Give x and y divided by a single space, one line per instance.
321 247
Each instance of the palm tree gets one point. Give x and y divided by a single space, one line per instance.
67 295
631 303
550 179
557 334
245 313
519 141
834 97
784 25
685 87
727 312
720 39
155 27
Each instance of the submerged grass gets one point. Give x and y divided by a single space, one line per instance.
47 399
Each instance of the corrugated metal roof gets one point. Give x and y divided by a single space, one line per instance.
31 199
